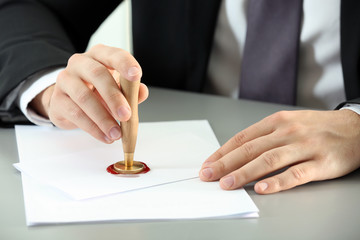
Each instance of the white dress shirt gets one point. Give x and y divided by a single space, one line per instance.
320 81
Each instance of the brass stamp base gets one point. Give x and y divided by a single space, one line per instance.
135 168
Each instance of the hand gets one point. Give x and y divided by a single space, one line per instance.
314 145
87 96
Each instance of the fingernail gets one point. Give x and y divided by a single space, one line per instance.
115 133
227 182
133 71
263 186
123 112
207 173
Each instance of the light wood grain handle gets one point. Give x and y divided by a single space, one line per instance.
130 89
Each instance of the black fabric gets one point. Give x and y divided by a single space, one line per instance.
352 101
36 35
172 39
350 47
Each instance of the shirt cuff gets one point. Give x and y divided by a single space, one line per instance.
34 85
352 106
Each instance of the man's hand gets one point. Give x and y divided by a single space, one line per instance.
314 145
87 96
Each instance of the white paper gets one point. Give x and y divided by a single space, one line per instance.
189 199
65 179
173 150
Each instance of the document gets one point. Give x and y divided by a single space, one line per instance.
65 179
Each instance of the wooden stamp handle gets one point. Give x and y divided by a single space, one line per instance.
130 89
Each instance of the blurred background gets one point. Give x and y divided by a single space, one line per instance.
116 29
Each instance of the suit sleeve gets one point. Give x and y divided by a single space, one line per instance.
40 34
353 101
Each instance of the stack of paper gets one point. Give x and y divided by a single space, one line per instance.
65 179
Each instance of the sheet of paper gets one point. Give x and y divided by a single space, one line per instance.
173 150
65 180
189 199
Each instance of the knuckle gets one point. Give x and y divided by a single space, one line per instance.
55 119
74 58
61 122
249 150
294 128
57 98
83 96
218 154
97 46
118 53
76 113
243 176
114 95
97 70
299 174
62 77
221 167
271 159
240 138
121 57
92 128
281 116
277 183
116 57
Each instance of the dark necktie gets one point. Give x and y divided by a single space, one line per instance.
270 58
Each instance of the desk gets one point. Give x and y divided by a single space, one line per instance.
320 210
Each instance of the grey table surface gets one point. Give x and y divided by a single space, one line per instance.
319 210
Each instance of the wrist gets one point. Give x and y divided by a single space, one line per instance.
41 103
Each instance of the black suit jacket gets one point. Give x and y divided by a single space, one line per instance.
172 40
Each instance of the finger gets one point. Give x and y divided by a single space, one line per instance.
87 100
55 114
118 59
256 130
294 176
71 115
99 76
239 157
143 93
263 165
126 66
60 122
143 90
